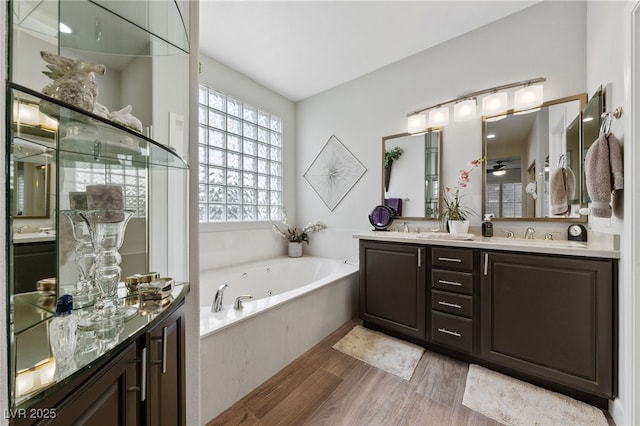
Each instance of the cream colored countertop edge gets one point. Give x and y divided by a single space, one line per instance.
599 249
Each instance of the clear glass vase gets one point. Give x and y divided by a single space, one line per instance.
85 290
107 229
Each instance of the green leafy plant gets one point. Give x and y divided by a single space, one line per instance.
392 155
452 208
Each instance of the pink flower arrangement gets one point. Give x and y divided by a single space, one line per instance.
452 210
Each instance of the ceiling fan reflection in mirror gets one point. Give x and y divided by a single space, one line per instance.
499 169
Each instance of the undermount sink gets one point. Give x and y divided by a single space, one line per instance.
539 243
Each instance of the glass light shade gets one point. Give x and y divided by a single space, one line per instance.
494 104
416 123
439 117
528 97
465 110
499 172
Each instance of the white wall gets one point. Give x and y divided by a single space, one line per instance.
226 244
606 66
546 40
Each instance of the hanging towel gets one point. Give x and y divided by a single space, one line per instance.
394 203
603 173
562 188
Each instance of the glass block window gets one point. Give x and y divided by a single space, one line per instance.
505 199
132 180
240 156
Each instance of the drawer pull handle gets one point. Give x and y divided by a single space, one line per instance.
452 333
450 283
450 259
451 305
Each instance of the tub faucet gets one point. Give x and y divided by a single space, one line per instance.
217 301
528 234
238 303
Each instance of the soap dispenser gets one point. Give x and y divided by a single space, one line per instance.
487 225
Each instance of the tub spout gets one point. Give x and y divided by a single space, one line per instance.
238 303
217 301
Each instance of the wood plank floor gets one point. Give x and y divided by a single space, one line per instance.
326 387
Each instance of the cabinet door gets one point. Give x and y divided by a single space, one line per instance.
393 286
110 398
165 399
551 317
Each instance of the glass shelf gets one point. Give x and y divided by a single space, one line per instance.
81 135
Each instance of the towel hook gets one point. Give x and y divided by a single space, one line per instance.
562 160
605 127
607 119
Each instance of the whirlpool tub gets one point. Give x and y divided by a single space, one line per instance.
296 302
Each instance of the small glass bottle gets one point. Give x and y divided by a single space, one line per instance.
62 331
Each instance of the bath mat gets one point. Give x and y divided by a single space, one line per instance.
513 402
381 351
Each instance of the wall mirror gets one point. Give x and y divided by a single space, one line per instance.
410 183
524 151
31 186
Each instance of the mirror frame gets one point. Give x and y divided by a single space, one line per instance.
582 97
382 181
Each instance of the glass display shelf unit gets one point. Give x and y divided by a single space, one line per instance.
42 124
39 377
131 28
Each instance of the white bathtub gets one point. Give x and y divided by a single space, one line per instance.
296 303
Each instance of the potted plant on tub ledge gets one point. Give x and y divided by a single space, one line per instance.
295 236
453 213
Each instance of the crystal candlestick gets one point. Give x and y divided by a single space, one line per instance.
85 256
107 228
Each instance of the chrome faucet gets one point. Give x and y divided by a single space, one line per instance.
405 227
509 233
238 303
217 301
549 235
528 234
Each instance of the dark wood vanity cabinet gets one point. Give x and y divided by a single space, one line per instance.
393 282
31 263
108 398
452 302
550 317
165 399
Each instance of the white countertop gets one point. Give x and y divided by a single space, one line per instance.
33 237
601 249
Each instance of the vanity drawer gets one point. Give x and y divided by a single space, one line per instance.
458 282
452 258
457 304
452 330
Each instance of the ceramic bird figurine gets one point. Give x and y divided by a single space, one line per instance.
73 80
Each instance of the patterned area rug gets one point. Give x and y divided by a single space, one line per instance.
514 403
381 351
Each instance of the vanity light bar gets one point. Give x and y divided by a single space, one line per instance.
468 99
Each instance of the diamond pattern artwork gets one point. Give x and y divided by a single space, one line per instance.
334 172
